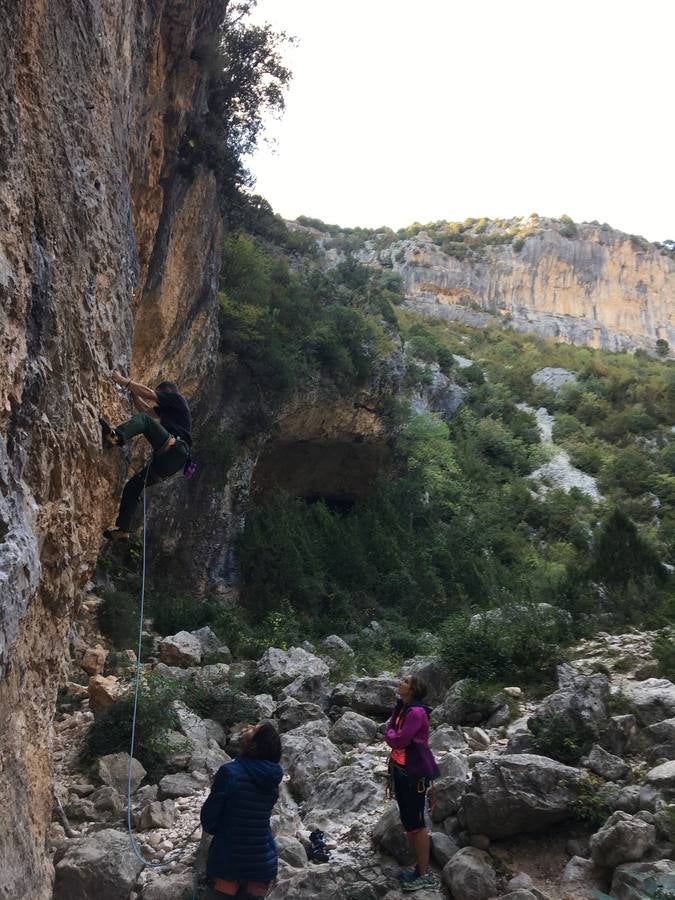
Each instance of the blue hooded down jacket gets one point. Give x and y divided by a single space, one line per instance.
237 814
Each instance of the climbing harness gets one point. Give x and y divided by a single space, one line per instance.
137 681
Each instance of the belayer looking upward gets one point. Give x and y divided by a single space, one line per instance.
164 420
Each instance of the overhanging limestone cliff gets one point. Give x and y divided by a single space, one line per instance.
105 249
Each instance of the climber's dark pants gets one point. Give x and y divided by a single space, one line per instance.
162 466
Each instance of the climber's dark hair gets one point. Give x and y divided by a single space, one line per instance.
265 743
168 387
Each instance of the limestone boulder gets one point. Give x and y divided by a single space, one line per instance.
623 838
336 645
101 865
284 666
631 880
300 739
181 784
553 378
663 778
174 886
344 795
108 799
389 836
470 875
375 696
583 700
661 732
103 692
113 770
342 694
518 793
443 848
208 759
352 729
606 765
454 765
181 649
620 736
93 660
581 877
434 674
447 737
307 689
291 851
291 712
653 700
212 645
157 814
320 755
81 809
336 880
448 793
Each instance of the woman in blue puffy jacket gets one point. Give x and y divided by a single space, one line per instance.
243 856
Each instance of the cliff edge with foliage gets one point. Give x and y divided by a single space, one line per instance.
586 284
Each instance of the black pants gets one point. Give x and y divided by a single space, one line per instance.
162 466
411 794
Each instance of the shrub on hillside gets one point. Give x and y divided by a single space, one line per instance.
561 738
663 651
219 702
518 641
118 618
111 730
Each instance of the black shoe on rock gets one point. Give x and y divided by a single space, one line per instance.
109 436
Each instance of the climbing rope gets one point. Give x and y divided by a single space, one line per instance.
137 682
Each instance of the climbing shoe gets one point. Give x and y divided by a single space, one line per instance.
109 436
426 882
115 534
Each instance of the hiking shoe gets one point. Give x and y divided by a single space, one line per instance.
427 882
116 534
109 436
408 875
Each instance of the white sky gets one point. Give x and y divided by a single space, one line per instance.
435 109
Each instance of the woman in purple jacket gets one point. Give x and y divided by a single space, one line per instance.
412 767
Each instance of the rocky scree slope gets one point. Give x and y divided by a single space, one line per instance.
508 820
96 223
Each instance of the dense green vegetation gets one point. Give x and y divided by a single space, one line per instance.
287 329
460 529
456 527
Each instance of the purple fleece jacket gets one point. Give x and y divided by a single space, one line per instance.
414 736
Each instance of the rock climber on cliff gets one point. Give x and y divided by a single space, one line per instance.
164 419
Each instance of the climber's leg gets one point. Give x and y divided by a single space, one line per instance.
144 424
130 496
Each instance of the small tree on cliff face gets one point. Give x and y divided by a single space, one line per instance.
247 80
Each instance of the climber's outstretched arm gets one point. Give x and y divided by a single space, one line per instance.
136 390
144 407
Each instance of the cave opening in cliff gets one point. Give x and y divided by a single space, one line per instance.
338 473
